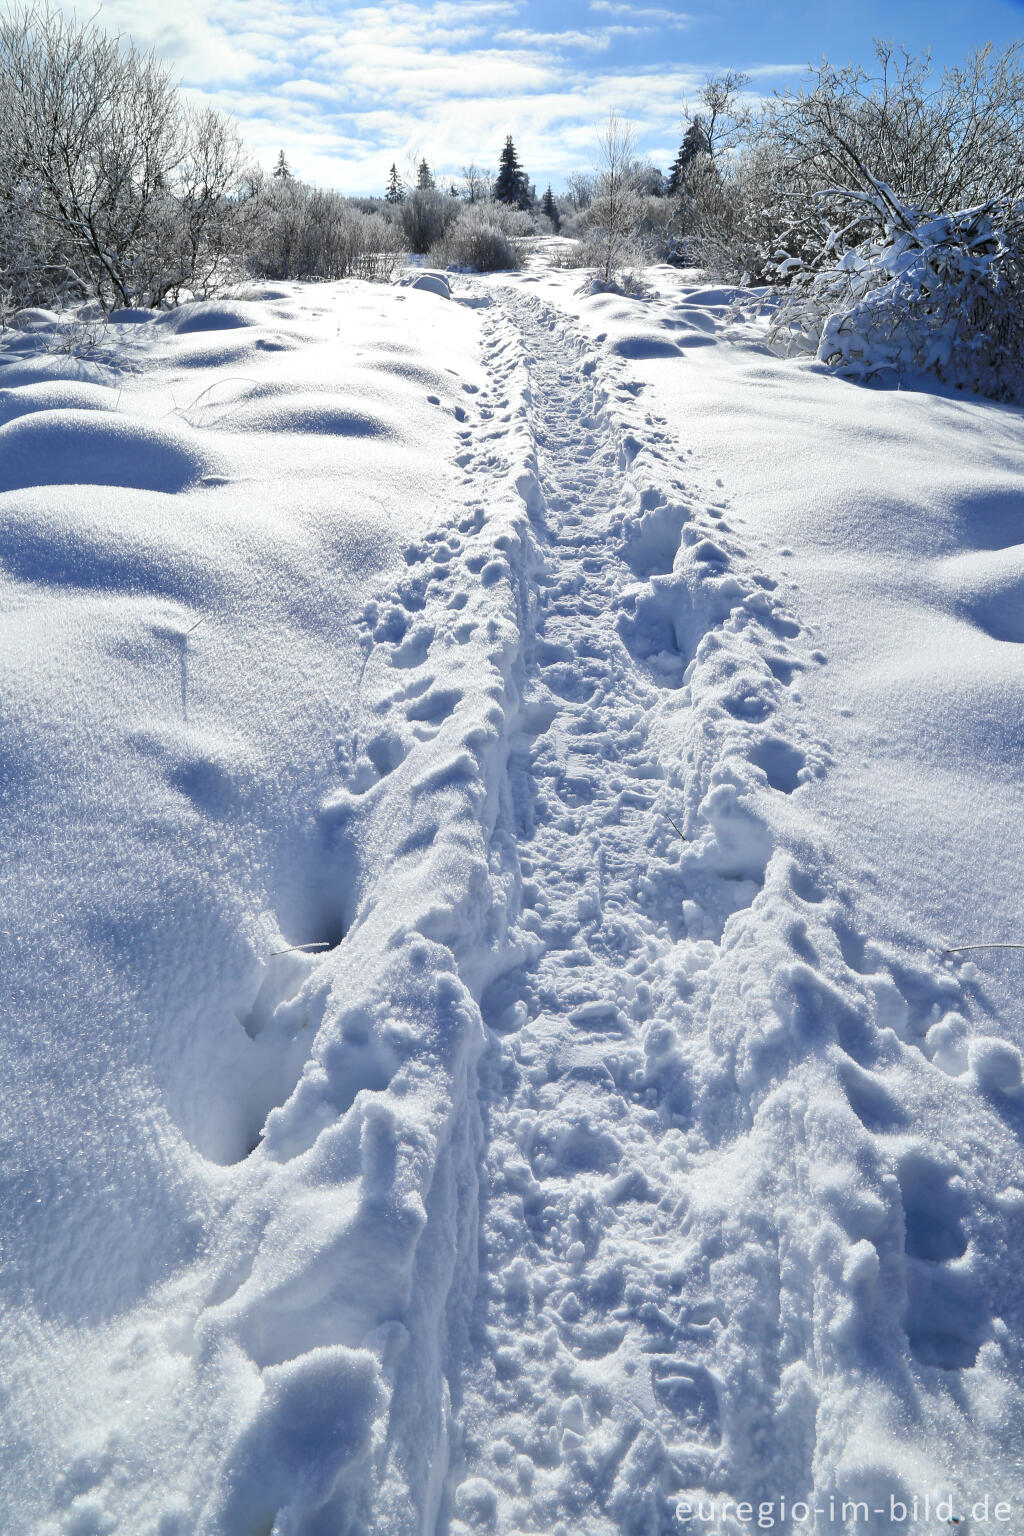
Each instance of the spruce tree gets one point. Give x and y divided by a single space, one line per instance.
282 169
396 187
513 184
549 207
424 178
695 142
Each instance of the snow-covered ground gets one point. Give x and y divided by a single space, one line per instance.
632 720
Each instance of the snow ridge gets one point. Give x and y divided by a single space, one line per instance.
383 1126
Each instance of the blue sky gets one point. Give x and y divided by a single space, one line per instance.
346 89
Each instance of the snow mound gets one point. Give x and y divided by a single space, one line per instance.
54 395
89 537
306 411
645 346
33 319
313 1421
131 316
23 363
195 747
87 447
988 589
431 282
206 315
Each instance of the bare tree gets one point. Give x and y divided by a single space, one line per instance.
477 183
127 185
206 226
721 118
580 187
614 215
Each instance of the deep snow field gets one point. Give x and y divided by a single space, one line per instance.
489 783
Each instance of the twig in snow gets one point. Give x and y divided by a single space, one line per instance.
201 620
677 828
183 411
955 949
293 947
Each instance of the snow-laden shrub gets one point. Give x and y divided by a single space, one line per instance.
734 215
35 263
570 255
483 239
379 248
611 235
620 223
947 141
571 226
645 235
941 294
942 142
425 216
298 231
655 227
613 238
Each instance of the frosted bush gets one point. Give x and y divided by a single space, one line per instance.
112 186
483 239
939 294
299 231
570 255
426 215
378 248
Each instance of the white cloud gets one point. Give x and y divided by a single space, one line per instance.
650 13
345 88
596 42
773 71
315 89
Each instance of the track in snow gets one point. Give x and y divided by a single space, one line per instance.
706 1218
591 1394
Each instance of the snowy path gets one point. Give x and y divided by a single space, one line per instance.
578 1176
574 1126
674 1262
594 1388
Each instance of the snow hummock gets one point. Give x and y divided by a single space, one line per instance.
490 789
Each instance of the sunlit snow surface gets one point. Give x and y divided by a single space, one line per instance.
633 719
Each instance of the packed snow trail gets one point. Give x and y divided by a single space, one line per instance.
595 1388
681 1100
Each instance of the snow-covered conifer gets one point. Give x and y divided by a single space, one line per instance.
694 143
550 208
396 187
512 185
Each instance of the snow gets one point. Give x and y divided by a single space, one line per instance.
431 282
489 789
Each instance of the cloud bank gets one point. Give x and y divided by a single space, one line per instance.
347 89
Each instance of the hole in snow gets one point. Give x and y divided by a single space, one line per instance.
780 763
932 1208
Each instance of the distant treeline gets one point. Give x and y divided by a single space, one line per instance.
882 209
